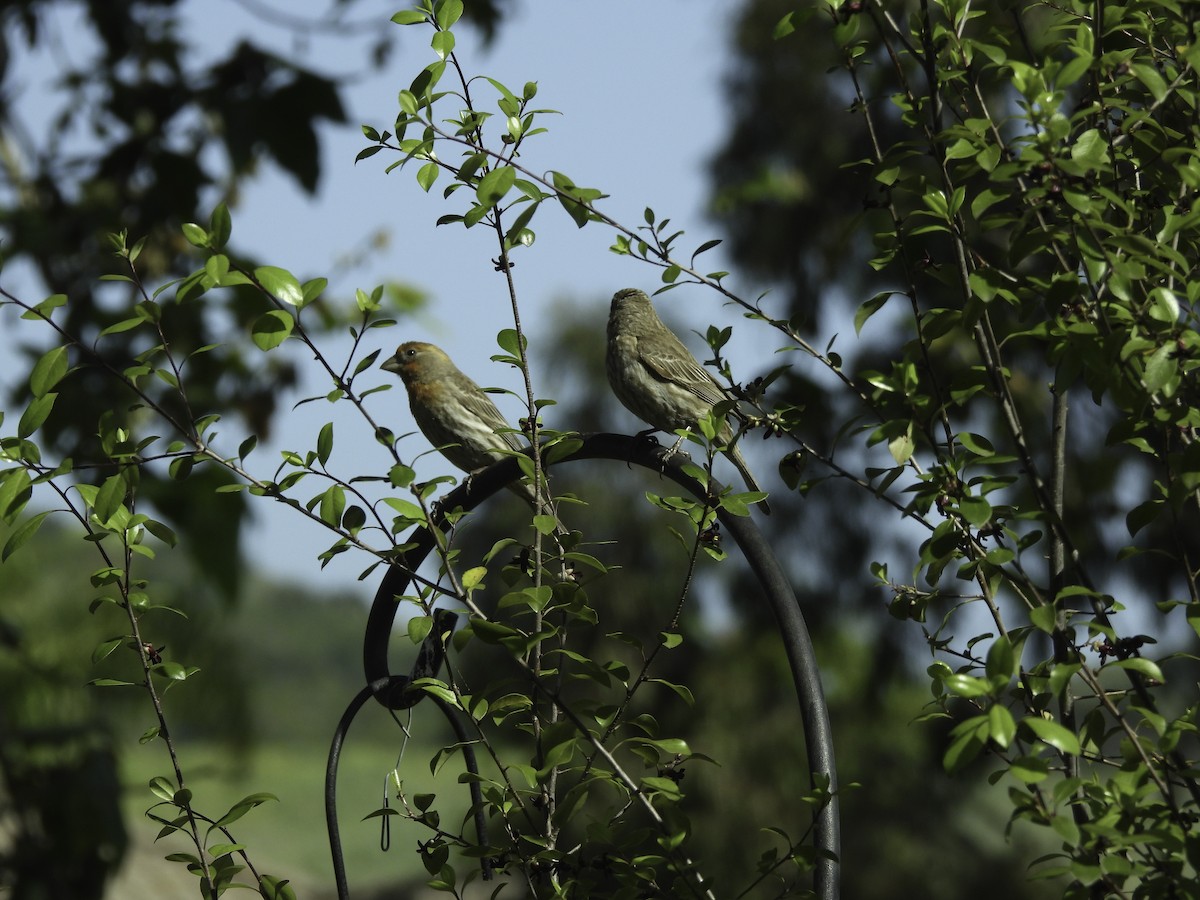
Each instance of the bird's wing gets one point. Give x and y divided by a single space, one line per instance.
481 406
684 371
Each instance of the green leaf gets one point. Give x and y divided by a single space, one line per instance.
1090 150
1064 826
511 342
1150 77
682 690
216 267
16 488
901 447
409 17
961 149
367 152
162 532
406 509
442 43
313 288
447 13
975 510
976 443
1044 618
869 308
218 850
220 226
281 284
48 371
35 415
109 497
325 443
1061 676
1029 769
333 504
663 787
1002 660
246 447
494 185
276 888
419 628
244 806
1142 666
173 671
672 746
162 788
571 197
1001 726
964 748
1053 734
123 325
354 519
195 235
1160 368
1142 515
104 648
985 200
670 639
272 328
966 686
427 175
45 309
21 535
1164 306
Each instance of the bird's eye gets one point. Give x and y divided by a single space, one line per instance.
411 351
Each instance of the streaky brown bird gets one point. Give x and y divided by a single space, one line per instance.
658 379
454 412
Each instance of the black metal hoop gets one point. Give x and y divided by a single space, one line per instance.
391 690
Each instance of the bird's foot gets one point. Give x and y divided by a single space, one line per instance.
674 448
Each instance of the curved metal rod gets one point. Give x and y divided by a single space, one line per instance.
649 454
331 768
393 686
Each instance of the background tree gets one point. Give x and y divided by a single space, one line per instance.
1018 162
1056 277
145 130
150 131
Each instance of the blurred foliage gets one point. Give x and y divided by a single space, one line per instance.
799 213
278 670
142 128
988 209
906 829
1001 199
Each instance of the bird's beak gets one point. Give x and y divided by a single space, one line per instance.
391 364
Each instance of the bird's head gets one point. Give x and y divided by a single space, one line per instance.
417 361
631 311
629 297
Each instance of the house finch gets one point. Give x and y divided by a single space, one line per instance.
453 412
658 380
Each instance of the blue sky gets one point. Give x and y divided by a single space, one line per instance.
639 87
